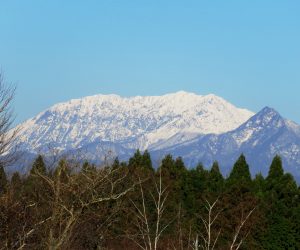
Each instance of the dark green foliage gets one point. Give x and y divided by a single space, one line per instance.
44 201
38 166
146 160
276 169
199 178
139 160
240 175
281 195
259 185
215 179
3 180
136 160
16 183
167 164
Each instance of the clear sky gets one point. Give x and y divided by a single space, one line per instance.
247 52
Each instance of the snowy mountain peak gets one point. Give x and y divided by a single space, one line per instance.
263 136
133 122
269 112
267 117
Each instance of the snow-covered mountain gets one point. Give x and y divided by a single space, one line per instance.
136 122
198 128
260 138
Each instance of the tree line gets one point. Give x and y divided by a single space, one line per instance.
131 205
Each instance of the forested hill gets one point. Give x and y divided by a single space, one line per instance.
131 205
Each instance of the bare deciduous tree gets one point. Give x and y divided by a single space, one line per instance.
74 194
210 238
209 241
237 239
7 135
148 238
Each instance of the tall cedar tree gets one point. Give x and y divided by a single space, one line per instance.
282 199
215 179
3 180
38 166
240 174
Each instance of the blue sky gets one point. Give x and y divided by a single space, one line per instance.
248 52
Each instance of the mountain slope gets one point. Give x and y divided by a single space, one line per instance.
136 122
198 128
260 138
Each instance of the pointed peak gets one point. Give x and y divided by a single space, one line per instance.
269 110
269 113
267 116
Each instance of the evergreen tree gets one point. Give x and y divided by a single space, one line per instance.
3 180
136 160
274 223
282 201
167 164
16 179
238 197
139 160
146 160
259 185
215 179
240 174
199 179
276 169
38 166
275 172
174 176
116 163
200 168
173 170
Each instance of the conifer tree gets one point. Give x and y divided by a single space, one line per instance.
3 180
199 178
200 167
173 175
198 183
179 165
146 160
167 165
281 198
259 185
16 179
16 183
240 174
215 179
274 178
38 166
116 163
276 169
136 160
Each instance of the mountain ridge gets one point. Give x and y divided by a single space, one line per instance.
146 119
197 127
263 136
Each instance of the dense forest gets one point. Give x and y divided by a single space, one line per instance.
131 205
